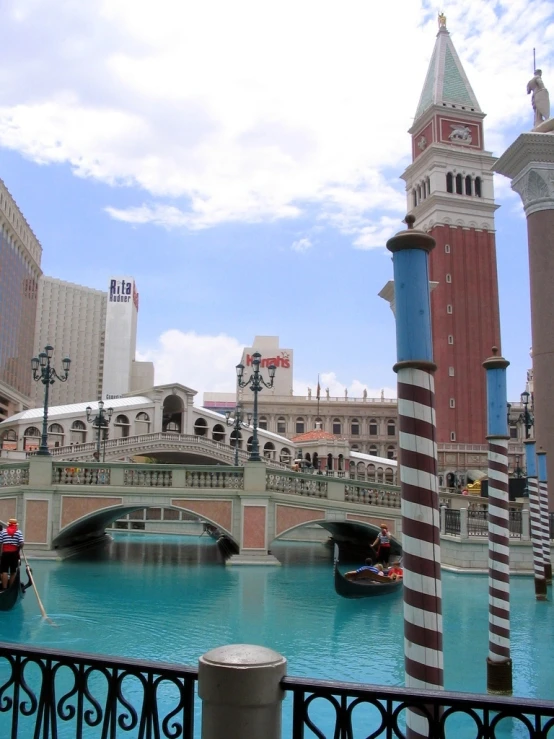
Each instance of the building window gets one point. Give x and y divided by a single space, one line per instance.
478 186
449 182
468 185
391 452
451 371
337 426
415 198
448 277
450 339
391 428
373 450
449 308
281 425
373 427
459 185
513 432
452 403
262 423
447 248
355 427
299 426
452 436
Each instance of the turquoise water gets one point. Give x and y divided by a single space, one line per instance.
171 599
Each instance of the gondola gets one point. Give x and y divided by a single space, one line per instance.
10 596
366 586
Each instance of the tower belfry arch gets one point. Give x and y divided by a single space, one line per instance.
449 187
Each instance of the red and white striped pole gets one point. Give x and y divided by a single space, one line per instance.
423 654
545 523
535 519
499 662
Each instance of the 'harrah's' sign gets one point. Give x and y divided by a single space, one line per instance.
121 291
283 362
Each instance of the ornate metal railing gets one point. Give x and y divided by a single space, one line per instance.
452 522
377 712
14 475
47 694
297 484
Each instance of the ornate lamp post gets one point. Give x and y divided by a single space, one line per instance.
526 418
237 422
43 371
256 383
101 421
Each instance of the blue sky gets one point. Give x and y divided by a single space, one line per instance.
242 160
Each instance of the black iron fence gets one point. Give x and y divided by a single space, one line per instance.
477 522
45 694
452 521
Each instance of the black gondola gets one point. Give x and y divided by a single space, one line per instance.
10 596
367 586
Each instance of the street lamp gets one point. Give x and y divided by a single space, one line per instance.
526 418
518 472
237 422
256 383
101 421
43 371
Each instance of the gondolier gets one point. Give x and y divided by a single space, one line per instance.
382 542
11 541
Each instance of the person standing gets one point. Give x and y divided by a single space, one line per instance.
11 540
382 542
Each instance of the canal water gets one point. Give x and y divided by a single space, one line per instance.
171 599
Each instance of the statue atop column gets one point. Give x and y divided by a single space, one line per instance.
365 394
309 393
441 20
540 99
327 392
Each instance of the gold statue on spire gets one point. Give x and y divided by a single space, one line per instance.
442 20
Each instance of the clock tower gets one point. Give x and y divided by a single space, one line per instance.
450 192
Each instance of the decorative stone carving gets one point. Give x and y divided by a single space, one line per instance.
535 186
460 133
540 99
422 143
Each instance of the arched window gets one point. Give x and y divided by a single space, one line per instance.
371 473
478 186
249 444
449 182
329 461
341 462
428 186
308 459
300 426
122 427
285 456
31 438
360 471
315 461
337 426
318 423
218 432
373 450
201 427
142 423
355 427
389 476
380 475
172 426
391 452
459 184
468 185
281 425
8 439
373 427
262 423
56 433
236 435
391 427
269 450
78 433
9 435
355 448
414 194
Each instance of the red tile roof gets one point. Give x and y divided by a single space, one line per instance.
316 435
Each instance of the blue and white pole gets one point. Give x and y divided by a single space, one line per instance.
535 519
423 651
499 662
545 523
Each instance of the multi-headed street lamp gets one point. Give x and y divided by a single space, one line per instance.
43 371
100 422
256 383
526 418
237 422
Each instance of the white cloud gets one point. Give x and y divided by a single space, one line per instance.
301 245
246 112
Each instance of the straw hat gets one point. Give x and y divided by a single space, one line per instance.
12 520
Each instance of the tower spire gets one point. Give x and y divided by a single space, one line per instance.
446 83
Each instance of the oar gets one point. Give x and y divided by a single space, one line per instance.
42 610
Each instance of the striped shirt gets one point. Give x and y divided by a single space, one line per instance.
11 542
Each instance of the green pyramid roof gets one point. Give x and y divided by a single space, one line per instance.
446 81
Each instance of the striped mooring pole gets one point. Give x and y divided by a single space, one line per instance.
499 662
423 651
535 519
543 495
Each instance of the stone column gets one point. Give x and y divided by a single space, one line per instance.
536 524
241 693
423 653
529 163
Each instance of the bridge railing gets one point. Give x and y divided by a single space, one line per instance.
51 693
14 475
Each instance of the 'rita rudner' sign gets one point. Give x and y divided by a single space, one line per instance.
122 291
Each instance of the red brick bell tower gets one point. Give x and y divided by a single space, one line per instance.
450 192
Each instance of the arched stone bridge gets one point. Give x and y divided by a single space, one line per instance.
61 505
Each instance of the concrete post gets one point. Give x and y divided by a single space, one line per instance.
254 477
40 472
443 519
525 531
239 686
464 533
